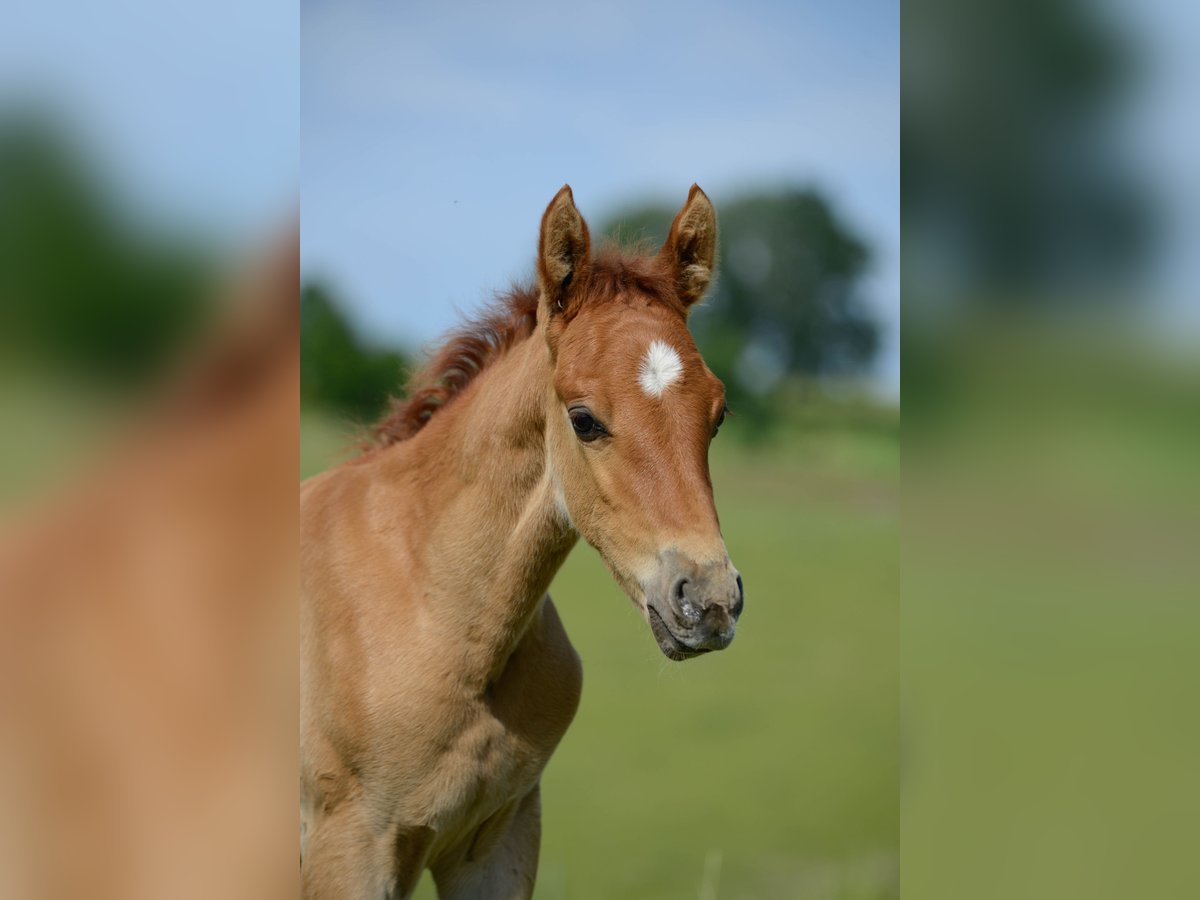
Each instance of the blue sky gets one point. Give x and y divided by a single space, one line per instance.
434 134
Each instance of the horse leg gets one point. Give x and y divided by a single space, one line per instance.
500 865
346 859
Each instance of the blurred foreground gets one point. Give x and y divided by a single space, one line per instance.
147 638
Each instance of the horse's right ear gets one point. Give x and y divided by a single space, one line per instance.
564 252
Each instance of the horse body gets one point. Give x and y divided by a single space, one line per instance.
437 678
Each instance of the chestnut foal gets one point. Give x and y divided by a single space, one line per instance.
436 675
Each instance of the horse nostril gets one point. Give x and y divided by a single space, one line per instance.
736 609
683 603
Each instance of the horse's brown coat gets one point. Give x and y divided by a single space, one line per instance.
437 678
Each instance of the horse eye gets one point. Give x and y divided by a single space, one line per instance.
586 427
720 421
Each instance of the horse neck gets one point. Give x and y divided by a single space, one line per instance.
498 535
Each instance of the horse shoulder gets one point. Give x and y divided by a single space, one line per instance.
538 692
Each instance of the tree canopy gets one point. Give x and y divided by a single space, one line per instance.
337 369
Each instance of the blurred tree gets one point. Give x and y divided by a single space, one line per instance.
786 301
1014 180
81 287
337 371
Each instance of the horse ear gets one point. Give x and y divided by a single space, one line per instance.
564 250
690 251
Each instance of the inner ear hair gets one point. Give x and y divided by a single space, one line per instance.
564 246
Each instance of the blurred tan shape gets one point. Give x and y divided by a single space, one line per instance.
148 639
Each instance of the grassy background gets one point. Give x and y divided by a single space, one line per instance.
770 770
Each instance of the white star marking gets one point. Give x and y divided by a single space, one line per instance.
660 366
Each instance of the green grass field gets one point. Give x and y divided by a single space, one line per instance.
770 770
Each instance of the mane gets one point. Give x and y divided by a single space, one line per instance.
615 273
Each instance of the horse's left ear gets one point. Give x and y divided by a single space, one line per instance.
691 248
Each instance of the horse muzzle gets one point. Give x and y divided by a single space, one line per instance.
693 608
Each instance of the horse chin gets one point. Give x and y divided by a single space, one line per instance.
671 646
